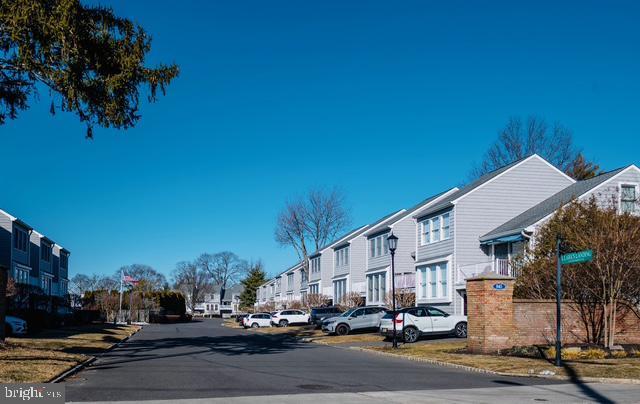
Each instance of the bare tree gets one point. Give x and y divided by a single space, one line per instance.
149 279
311 222
192 281
404 298
225 268
602 290
353 299
519 139
317 300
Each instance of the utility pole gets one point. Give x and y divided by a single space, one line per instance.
558 304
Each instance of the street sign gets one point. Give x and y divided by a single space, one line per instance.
499 286
577 257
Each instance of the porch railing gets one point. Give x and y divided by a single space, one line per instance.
405 281
500 266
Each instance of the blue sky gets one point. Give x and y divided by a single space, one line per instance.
389 101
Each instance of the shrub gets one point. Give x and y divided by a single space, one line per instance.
618 354
593 353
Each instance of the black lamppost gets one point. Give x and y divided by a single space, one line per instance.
393 244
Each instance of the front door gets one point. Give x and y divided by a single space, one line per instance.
358 320
439 320
422 320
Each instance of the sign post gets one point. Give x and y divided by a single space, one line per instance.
566 259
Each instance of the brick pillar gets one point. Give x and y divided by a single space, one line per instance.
489 313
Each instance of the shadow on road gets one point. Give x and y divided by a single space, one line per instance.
233 345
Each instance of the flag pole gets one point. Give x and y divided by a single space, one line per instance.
120 305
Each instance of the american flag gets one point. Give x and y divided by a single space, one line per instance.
130 280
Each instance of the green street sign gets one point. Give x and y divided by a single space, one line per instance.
577 257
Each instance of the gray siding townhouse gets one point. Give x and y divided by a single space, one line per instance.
216 305
377 284
617 188
33 258
448 232
350 260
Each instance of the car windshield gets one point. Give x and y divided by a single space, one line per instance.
348 313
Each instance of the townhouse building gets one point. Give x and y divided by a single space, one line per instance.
32 258
457 234
220 304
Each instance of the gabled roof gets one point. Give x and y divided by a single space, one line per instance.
347 236
382 227
549 205
380 222
449 200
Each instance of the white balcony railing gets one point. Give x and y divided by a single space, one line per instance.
405 281
499 266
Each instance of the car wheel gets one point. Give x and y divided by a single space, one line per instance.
410 335
255 325
283 323
342 329
461 330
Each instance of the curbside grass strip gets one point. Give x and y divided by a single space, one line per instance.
486 371
69 372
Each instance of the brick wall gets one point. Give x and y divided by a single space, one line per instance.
497 321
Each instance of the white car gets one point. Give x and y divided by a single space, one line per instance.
257 320
14 326
283 318
413 322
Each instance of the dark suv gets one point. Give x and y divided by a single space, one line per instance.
320 313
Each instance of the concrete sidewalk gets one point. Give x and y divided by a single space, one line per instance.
559 393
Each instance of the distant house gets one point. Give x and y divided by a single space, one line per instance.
32 258
214 305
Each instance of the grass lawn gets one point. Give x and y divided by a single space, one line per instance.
41 357
345 339
453 352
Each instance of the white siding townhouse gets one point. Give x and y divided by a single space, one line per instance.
33 258
458 234
215 305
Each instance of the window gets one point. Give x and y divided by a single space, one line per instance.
342 257
627 198
378 246
64 287
435 229
20 274
339 290
315 265
433 312
434 281
45 252
303 297
64 260
303 275
290 281
20 239
314 289
376 287
45 283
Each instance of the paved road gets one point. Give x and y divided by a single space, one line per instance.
205 360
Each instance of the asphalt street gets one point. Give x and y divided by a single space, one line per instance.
206 360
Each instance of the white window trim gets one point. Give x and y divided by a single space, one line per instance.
424 264
429 221
369 299
628 184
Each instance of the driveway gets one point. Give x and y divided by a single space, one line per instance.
205 360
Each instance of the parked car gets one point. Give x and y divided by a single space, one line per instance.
413 322
240 318
257 320
14 326
359 318
319 314
283 318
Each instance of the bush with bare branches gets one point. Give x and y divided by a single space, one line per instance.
404 298
317 300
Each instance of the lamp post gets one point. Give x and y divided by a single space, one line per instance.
392 240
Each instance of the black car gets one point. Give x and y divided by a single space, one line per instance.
320 313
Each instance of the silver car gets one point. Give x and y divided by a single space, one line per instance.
358 318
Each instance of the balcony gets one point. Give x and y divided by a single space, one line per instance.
500 266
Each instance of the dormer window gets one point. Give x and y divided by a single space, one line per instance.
20 238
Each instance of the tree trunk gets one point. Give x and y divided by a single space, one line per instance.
4 278
612 323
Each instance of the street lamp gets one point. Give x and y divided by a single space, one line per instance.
392 240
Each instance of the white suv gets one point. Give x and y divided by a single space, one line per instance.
413 322
283 318
257 320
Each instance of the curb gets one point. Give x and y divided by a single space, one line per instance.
490 372
59 378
